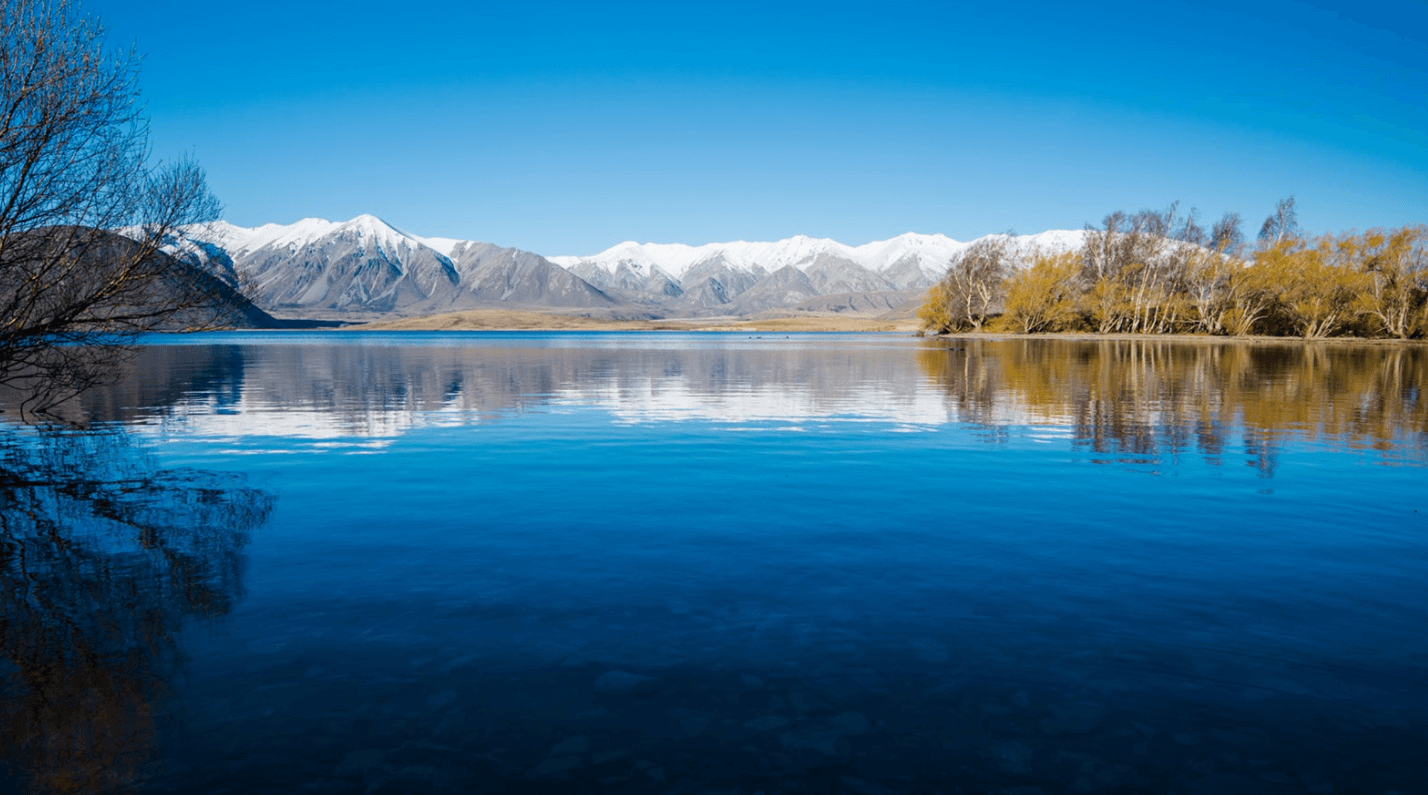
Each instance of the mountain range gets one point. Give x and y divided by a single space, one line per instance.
366 267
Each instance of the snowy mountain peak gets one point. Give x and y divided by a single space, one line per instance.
286 236
373 230
369 225
368 229
929 252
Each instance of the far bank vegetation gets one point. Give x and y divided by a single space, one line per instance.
1156 272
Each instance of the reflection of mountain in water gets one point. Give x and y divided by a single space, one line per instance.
329 391
103 557
1117 398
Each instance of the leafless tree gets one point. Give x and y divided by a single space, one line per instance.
85 212
1282 223
1132 266
1227 235
1190 230
972 286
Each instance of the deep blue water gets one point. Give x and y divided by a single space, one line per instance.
719 563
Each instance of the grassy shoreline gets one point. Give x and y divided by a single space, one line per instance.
521 320
518 320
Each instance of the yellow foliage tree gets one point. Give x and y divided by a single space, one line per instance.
1043 297
967 292
936 311
1396 291
1108 305
1250 293
1318 288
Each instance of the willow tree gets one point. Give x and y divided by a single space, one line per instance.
1133 270
971 287
1210 274
85 212
1317 287
1396 294
1043 297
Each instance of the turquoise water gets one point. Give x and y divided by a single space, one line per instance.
700 563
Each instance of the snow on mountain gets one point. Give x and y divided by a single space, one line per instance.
1051 240
238 240
677 259
367 265
930 252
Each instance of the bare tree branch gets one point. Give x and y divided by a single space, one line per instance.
84 212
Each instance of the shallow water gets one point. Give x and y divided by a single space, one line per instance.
705 563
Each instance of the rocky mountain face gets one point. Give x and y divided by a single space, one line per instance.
743 278
367 267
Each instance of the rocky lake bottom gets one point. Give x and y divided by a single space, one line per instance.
835 728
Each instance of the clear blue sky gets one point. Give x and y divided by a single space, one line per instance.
565 128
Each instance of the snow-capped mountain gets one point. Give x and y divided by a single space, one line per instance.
367 265
785 272
933 252
800 251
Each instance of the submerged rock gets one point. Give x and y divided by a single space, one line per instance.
357 763
415 780
1095 774
441 700
860 787
330 786
619 682
605 757
1013 757
554 766
1077 718
850 722
692 722
414 753
805 701
767 723
579 744
1231 784
824 741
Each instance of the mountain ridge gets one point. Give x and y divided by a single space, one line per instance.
366 265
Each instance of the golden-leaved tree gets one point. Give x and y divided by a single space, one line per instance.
1043 297
971 287
1396 291
1317 287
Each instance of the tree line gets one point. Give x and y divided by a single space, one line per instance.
1157 272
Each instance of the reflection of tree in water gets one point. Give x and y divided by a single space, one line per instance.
1128 399
102 558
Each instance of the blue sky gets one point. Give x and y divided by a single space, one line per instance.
565 128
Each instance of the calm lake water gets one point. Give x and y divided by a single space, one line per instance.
721 563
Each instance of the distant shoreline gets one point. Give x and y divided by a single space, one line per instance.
478 320
518 320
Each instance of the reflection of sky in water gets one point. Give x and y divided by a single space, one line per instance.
894 553
1121 397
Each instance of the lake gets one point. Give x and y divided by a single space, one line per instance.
721 563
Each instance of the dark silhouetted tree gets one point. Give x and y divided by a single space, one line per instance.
84 212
